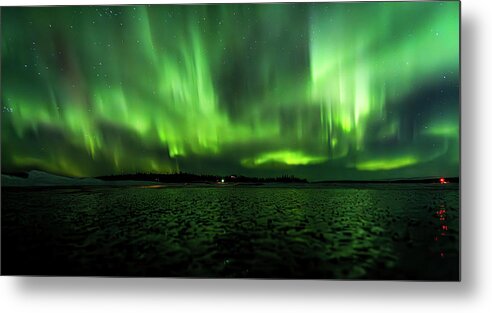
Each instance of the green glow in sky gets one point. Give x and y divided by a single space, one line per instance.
284 157
320 91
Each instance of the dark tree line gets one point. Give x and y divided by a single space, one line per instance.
194 178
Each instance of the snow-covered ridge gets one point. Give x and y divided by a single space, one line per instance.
40 178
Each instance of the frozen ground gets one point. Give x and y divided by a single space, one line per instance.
344 232
43 179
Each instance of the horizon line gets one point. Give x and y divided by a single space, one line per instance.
414 178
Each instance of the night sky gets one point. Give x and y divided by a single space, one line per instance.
320 91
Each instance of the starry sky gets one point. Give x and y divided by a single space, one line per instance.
321 91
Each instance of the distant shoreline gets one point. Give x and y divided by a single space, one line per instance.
38 178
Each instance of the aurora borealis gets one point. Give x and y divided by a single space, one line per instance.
320 91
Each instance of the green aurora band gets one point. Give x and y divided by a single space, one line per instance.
321 91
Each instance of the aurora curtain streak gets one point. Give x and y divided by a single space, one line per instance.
321 91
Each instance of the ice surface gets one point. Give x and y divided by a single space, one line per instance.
385 232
